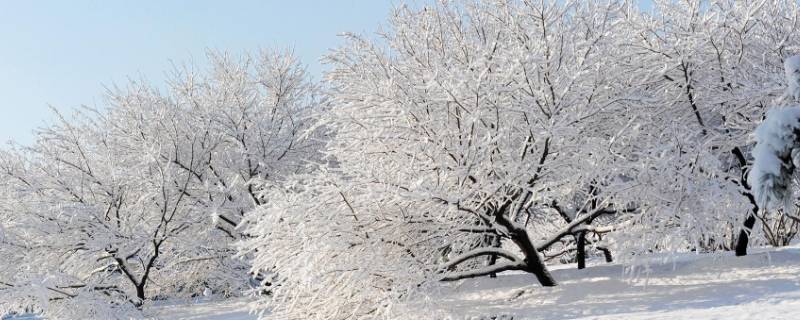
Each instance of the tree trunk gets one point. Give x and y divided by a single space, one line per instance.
607 254
741 242
533 260
581 255
140 294
744 234
538 268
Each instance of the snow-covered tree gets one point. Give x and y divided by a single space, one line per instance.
777 155
473 138
708 70
140 199
468 139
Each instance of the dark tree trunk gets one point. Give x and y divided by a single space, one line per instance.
140 294
744 235
535 263
607 254
581 253
542 274
533 260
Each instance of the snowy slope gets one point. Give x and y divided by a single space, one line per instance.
764 285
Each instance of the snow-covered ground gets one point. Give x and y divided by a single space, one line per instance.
234 309
763 285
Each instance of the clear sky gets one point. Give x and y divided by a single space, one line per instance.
61 53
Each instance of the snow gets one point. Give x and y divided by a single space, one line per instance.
771 177
763 285
232 309
199 309
709 286
776 139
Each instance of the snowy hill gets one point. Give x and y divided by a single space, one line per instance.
763 285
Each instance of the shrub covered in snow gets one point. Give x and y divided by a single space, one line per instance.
776 156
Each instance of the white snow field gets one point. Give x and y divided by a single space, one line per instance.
234 309
763 285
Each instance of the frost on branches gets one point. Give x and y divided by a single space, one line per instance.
705 86
791 68
478 138
466 145
468 139
117 207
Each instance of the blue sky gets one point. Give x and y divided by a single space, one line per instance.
61 53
